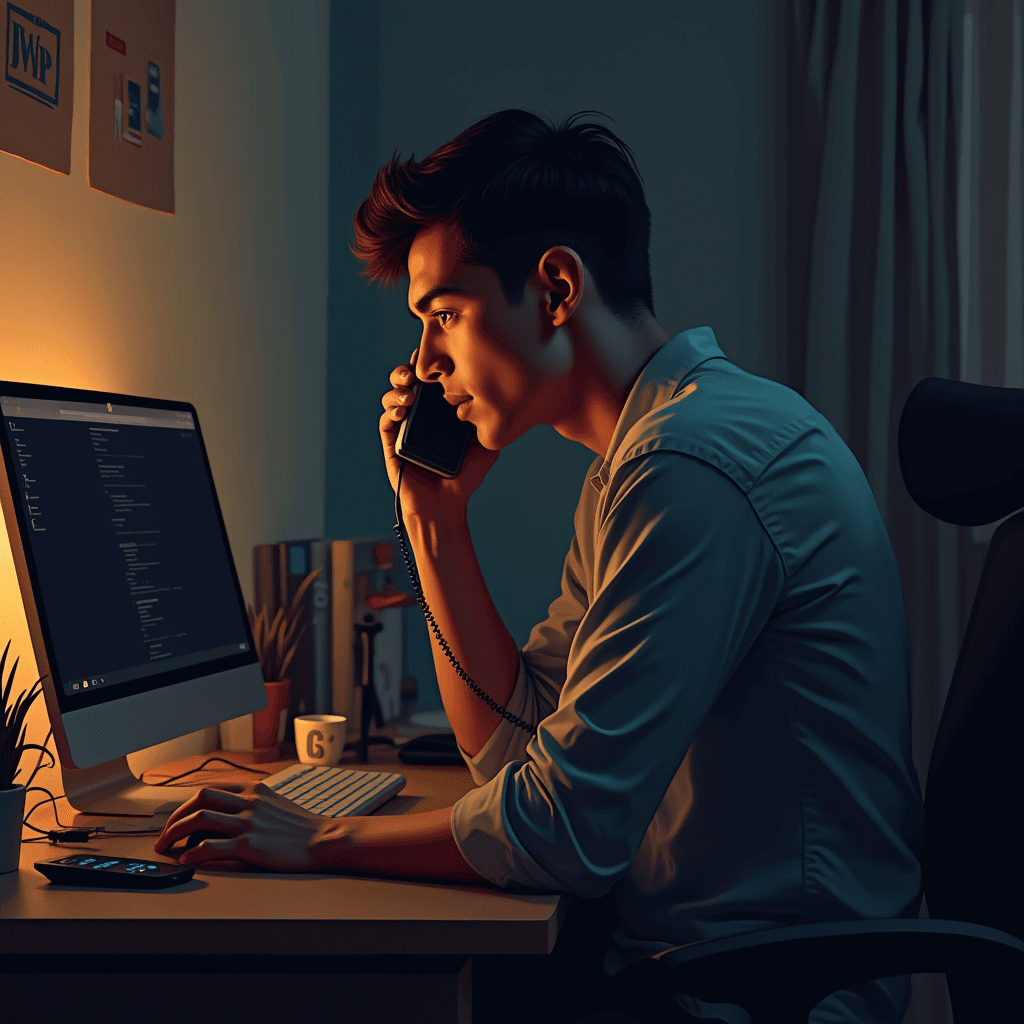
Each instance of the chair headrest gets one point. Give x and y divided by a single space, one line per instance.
961 449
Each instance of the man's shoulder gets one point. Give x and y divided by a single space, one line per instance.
734 420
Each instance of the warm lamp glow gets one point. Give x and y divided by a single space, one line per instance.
13 625
43 359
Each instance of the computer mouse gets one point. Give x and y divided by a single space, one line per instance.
435 748
195 838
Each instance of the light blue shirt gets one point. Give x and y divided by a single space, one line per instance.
722 688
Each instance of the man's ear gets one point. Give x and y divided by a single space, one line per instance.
561 281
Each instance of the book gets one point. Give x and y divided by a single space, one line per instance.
322 672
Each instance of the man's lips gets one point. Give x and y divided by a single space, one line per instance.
456 399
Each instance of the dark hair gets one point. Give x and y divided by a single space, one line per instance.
510 187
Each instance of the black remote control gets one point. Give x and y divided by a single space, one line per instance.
113 872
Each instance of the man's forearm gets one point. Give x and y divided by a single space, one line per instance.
458 599
415 845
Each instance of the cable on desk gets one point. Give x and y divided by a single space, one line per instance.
191 771
67 834
56 818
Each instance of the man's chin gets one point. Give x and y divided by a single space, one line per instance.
491 439
496 435
485 438
489 443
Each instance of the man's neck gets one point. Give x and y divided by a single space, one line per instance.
611 355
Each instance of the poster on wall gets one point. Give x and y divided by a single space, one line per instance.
39 82
131 102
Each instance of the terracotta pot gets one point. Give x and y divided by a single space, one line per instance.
261 732
269 724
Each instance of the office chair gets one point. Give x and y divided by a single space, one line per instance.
961 450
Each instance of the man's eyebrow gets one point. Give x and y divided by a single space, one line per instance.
442 289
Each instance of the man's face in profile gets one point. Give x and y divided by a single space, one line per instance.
476 344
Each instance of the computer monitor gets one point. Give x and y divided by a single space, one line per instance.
136 615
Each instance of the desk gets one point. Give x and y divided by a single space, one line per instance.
254 945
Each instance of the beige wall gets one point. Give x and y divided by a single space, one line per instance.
223 305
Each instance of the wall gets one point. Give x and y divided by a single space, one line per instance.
690 86
223 305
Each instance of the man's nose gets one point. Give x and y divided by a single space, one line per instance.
431 363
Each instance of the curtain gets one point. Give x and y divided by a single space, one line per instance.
904 232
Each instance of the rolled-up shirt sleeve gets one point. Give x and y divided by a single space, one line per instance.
682 578
542 665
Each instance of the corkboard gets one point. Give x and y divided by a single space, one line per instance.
38 90
131 101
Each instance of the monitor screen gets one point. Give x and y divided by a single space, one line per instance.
124 542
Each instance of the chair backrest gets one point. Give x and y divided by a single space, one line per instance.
961 450
973 860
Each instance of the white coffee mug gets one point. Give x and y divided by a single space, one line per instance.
320 739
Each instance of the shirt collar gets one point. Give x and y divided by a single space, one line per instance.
658 382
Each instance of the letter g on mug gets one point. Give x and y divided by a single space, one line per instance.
314 749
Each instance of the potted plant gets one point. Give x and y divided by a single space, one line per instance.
276 641
12 746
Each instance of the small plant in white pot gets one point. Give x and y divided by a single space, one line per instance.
12 747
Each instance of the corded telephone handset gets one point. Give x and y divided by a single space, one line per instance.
433 437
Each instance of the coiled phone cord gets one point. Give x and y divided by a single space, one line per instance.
399 529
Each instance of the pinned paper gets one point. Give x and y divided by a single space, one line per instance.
37 92
131 129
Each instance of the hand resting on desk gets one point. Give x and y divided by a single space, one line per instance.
269 831
253 825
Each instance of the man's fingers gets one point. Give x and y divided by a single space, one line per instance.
235 787
183 810
397 398
215 799
402 377
389 429
226 826
206 808
221 848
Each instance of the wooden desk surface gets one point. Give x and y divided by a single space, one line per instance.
256 911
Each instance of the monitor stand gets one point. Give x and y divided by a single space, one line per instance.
112 789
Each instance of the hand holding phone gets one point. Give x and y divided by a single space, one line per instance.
432 434
445 463
433 486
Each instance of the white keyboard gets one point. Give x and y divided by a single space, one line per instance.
335 792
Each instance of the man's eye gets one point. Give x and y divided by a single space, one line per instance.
440 314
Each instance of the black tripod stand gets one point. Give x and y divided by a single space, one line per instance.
365 632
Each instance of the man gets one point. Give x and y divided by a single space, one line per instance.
712 725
